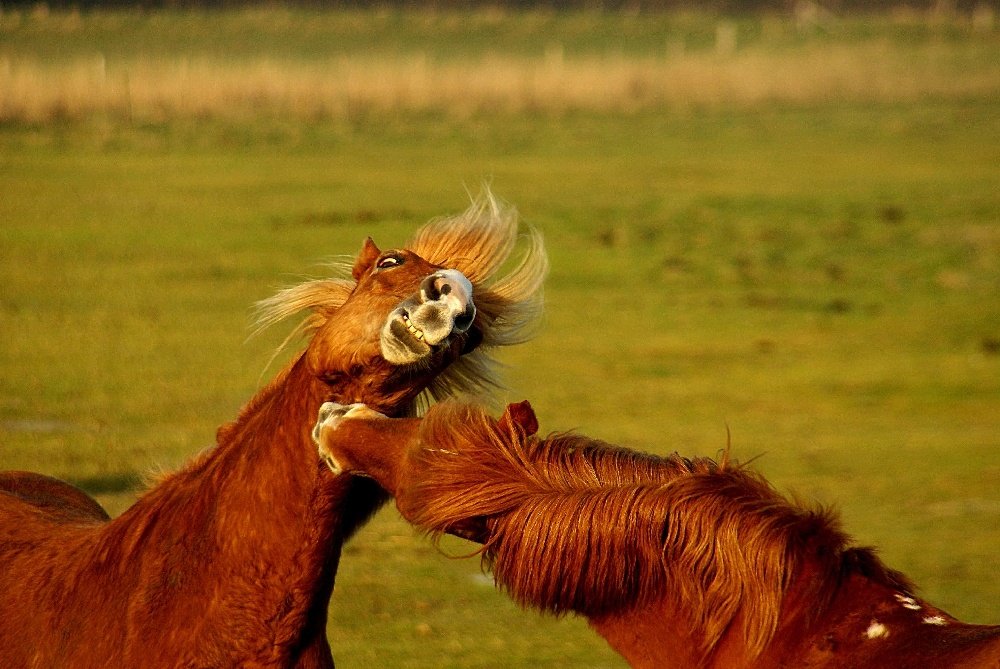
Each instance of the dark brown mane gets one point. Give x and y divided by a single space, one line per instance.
615 528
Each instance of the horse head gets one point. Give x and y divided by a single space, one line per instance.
422 317
404 322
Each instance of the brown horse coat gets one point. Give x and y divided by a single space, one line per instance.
231 561
676 562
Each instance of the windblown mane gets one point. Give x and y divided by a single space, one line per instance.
479 243
580 525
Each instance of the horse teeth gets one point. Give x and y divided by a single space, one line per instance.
414 330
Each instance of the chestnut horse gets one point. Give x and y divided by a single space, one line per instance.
675 562
231 560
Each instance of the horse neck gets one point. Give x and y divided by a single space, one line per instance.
664 631
259 498
652 636
660 634
267 460
842 617
867 621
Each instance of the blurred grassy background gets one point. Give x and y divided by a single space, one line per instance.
289 63
784 227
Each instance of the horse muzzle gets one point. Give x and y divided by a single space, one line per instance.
442 307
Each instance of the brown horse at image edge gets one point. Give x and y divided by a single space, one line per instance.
676 562
231 560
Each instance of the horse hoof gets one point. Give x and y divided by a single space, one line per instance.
331 414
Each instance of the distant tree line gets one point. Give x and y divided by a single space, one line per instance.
721 6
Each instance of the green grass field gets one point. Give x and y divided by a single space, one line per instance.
815 270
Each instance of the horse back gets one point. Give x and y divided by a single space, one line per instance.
928 639
45 527
57 499
955 645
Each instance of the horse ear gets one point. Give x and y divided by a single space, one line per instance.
369 254
520 415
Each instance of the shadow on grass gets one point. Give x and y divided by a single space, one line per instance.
109 484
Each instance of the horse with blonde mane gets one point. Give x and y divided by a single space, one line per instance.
231 560
676 562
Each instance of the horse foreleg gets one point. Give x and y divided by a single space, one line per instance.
353 439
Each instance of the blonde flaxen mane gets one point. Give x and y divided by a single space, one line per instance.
480 243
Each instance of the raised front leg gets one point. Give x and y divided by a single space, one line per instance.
353 439
427 466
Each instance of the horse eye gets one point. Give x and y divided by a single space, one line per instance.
389 261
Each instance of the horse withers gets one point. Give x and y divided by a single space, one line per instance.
676 562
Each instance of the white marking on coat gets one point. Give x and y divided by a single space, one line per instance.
935 620
876 630
907 602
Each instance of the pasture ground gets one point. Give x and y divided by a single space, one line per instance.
818 276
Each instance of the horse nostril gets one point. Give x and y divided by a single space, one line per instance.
435 287
430 289
464 320
450 293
